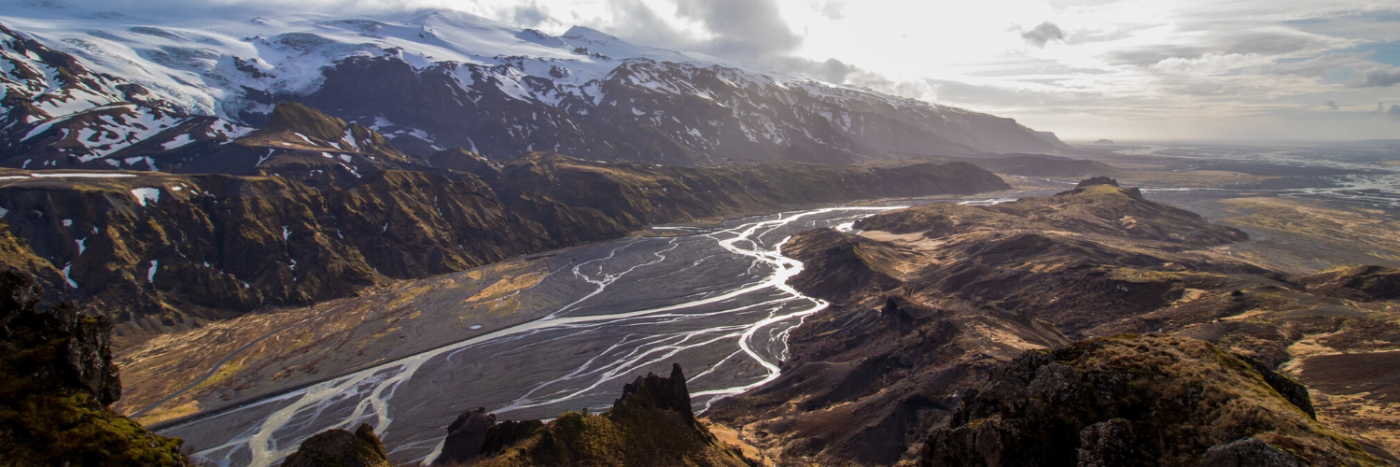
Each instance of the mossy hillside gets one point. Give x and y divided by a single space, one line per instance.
74 429
1158 401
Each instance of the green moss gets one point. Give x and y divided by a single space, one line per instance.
74 429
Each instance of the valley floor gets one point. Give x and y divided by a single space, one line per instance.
231 365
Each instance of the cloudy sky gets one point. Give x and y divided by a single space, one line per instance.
1086 69
1255 70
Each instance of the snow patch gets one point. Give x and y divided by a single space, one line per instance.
179 141
145 194
68 279
80 175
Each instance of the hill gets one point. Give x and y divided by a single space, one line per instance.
928 301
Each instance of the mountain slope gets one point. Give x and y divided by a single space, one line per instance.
321 208
433 80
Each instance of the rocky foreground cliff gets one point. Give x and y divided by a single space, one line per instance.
56 382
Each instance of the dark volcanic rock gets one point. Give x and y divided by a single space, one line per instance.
1108 443
1130 400
81 346
465 437
508 433
340 448
652 392
56 380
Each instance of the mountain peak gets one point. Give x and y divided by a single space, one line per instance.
592 35
293 116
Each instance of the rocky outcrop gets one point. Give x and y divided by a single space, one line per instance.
466 436
340 448
58 379
1130 400
651 424
655 394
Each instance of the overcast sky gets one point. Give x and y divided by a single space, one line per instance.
1131 69
1085 69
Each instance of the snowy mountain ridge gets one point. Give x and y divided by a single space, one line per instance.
457 80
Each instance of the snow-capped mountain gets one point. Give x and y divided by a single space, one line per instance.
120 89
